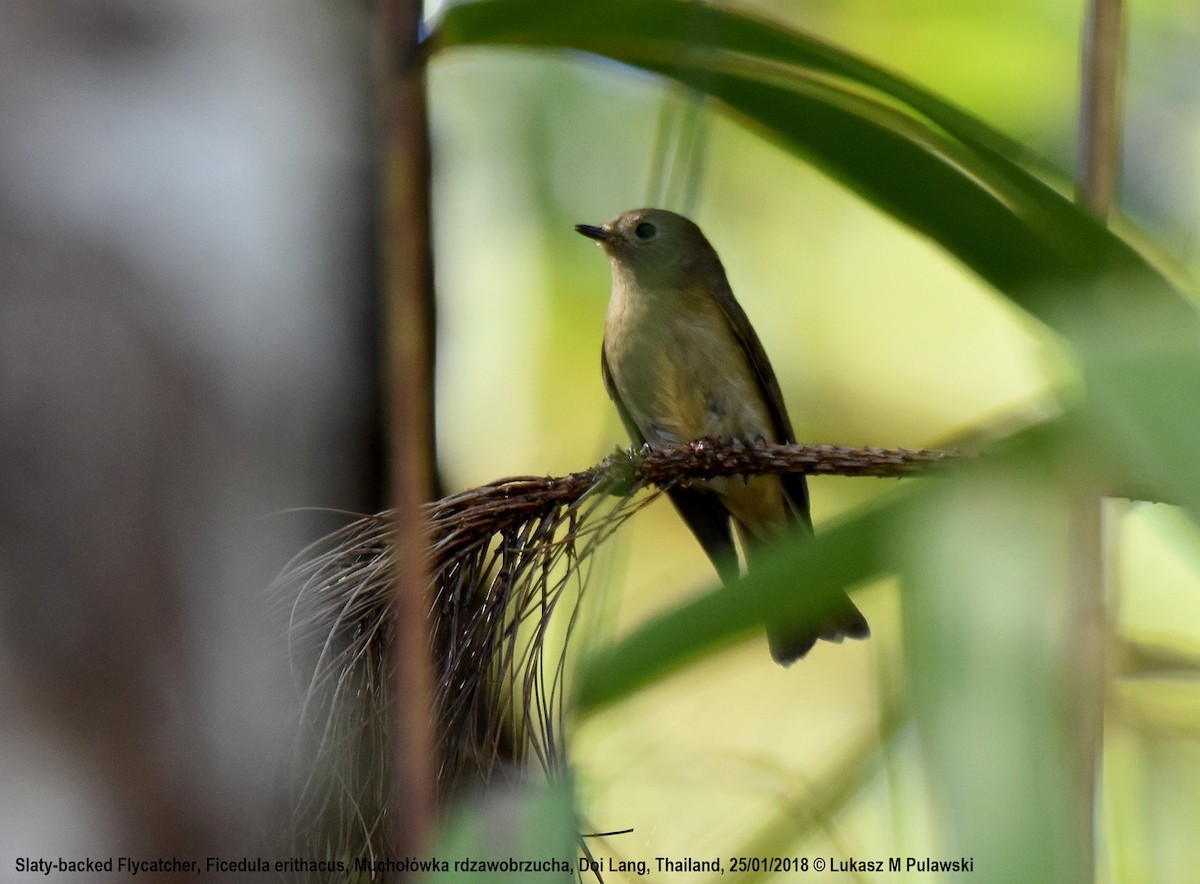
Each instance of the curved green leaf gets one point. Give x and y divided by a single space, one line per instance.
621 26
845 555
907 151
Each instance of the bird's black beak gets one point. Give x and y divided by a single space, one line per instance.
592 231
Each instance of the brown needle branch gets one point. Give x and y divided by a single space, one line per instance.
461 519
709 458
502 557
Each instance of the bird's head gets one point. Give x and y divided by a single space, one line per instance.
655 248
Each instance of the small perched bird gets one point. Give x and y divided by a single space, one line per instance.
682 363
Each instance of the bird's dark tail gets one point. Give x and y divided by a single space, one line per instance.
838 617
709 521
789 643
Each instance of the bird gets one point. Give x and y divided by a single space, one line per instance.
681 362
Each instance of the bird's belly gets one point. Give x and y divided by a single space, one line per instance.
689 381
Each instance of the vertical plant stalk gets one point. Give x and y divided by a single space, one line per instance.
408 291
1100 105
1102 54
1085 658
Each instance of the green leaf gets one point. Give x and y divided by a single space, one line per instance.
986 573
1142 373
508 824
844 555
627 26
901 147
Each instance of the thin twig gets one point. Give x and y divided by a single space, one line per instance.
490 508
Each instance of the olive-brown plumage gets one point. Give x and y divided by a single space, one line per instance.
682 362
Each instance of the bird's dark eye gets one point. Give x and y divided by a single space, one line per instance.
645 230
